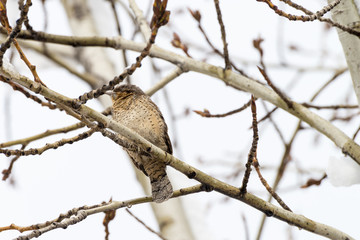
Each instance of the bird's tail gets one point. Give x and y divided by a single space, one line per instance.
161 188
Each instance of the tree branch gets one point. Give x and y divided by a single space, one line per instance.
346 144
76 215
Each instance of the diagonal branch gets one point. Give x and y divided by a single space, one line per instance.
145 225
64 219
345 143
309 18
54 145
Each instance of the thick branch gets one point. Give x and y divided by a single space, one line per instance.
347 145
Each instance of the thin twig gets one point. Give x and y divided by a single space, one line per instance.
322 19
280 173
43 135
267 186
6 172
39 151
253 149
298 7
276 127
337 74
17 87
51 132
262 69
356 133
145 225
267 115
223 35
207 114
331 107
87 77
310 17
246 227
281 95
164 81
197 16
344 118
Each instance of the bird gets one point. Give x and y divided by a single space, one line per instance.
134 109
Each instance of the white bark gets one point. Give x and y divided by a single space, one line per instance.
140 19
346 13
94 60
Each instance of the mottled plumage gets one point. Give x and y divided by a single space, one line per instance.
133 108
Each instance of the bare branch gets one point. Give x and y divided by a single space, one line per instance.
207 114
267 186
144 224
55 145
253 149
223 35
257 45
303 18
27 94
76 215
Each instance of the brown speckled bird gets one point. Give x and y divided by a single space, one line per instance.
134 109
